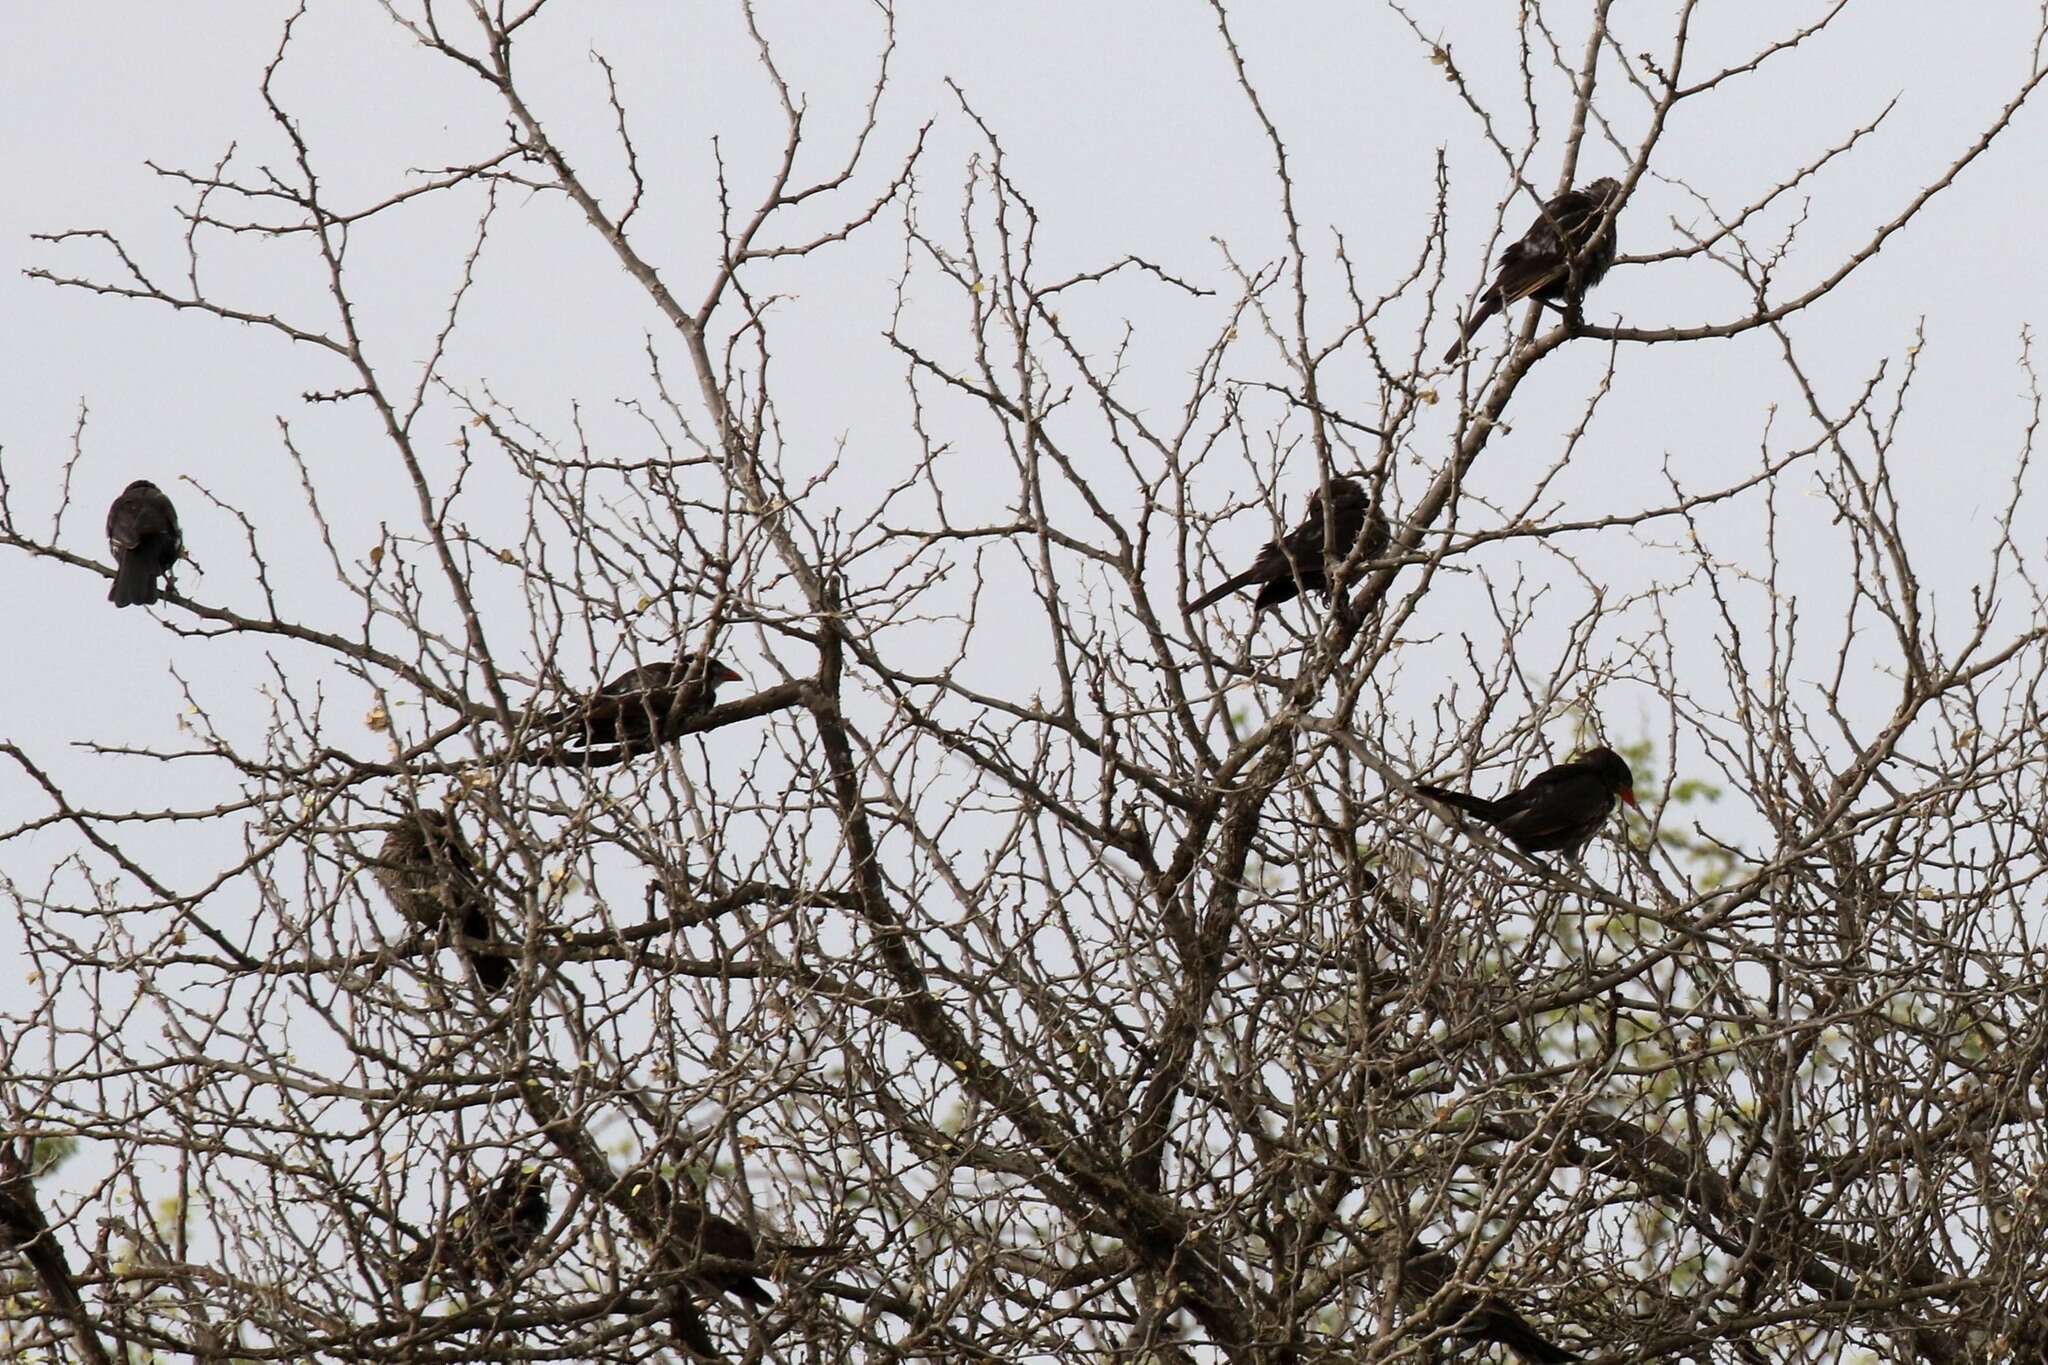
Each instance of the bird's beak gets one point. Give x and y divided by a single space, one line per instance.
722 674
1628 794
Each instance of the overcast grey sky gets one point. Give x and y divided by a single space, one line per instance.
1122 124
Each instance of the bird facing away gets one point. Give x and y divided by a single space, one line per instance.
643 708
142 531
487 1237
1561 808
1540 265
1296 561
430 873
1472 1315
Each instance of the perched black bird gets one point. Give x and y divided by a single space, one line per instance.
688 1233
1296 561
142 531
1540 265
430 872
710 1235
1471 1314
1560 808
488 1236
643 708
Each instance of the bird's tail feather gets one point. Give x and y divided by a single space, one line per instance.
688 1326
1527 1343
1223 590
1488 306
493 965
1464 801
134 584
752 1290
493 969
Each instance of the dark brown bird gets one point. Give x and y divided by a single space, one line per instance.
643 708
1471 1314
710 1235
1560 809
689 1233
1296 561
487 1237
1547 262
430 873
142 531
694 1232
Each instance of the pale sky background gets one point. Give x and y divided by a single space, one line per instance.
1123 125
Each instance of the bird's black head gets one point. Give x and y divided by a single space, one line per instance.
1604 190
525 1188
142 486
1346 492
716 673
1612 769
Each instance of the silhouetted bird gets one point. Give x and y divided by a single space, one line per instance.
643 708
711 1235
488 1236
1560 808
1471 1314
1540 264
1295 561
430 872
142 531
689 1232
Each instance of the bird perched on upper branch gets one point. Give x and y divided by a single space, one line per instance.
488 1236
142 531
1553 261
1297 561
643 708
431 874
1560 808
1472 1314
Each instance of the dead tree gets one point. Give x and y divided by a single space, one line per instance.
1014 964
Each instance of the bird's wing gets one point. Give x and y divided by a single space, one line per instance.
1296 552
734 1243
453 858
124 526
1573 212
722 1237
1556 803
1531 277
633 681
1562 229
603 706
